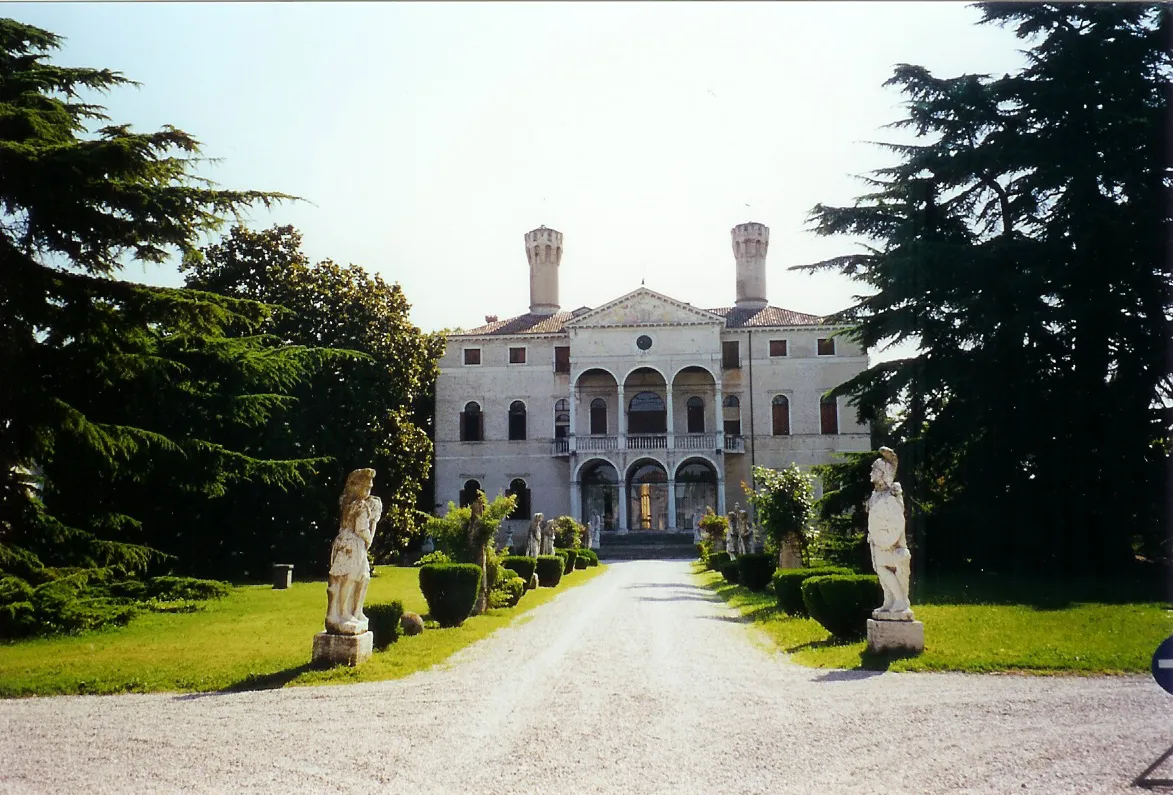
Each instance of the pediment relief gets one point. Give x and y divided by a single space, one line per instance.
644 308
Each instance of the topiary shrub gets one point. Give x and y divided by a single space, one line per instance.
170 589
731 572
411 623
571 555
788 586
523 566
550 569
717 561
842 603
507 593
754 570
580 562
592 557
451 590
384 622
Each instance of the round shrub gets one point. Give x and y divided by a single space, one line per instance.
507 593
549 570
411 623
171 589
568 555
788 586
384 622
451 590
717 561
842 603
590 556
755 569
731 572
523 566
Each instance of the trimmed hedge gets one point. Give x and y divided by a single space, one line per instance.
581 562
507 593
717 561
843 603
755 569
570 556
521 564
451 590
550 569
731 572
171 589
384 622
788 586
590 556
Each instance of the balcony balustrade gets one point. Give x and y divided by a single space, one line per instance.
648 441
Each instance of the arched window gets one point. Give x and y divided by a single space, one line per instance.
732 418
781 412
646 414
468 494
522 509
695 408
562 419
828 415
549 252
472 423
599 417
516 421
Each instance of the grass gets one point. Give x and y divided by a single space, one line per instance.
255 638
984 628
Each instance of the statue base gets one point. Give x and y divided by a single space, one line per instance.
885 636
331 650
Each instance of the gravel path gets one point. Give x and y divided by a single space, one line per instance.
637 682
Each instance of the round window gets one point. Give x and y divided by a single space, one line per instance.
644 342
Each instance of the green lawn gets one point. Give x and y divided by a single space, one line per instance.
253 639
980 629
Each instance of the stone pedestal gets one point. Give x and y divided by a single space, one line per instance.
282 575
899 636
330 650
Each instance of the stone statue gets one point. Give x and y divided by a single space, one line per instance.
350 571
548 537
732 539
890 556
597 536
533 542
745 532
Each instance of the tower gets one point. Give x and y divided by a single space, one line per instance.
750 242
543 248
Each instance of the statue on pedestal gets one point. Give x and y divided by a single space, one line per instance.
732 536
745 532
548 537
350 571
890 555
533 542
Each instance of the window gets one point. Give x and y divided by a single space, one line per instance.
472 423
828 415
516 421
562 419
472 355
643 342
780 409
731 355
646 414
468 495
517 355
562 358
826 347
599 417
522 509
777 347
695 408
732 407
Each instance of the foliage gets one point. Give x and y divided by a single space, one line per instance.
1021 241
508 592
731 572
714 527
450 531
549 569
717 561
788 586
384 621
186 588
589 555
784 504
435 556
842 603
841 512
567 532
703 550
569 556
451 590
364 410
581 562
521 564
755 569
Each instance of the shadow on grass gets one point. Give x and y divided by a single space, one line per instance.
270 681
1042 592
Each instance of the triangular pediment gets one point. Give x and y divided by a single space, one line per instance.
645 307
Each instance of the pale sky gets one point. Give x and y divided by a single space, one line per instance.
430 137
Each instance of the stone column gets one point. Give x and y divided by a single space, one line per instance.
576 499
671 425
720 492
622 502
719 428
622 408
671 502
571 441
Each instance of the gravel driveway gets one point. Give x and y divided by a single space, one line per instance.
637 682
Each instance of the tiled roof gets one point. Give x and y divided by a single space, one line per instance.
734 318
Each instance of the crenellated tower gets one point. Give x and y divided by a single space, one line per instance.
750 243
543 248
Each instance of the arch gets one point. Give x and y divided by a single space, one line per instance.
594 371
696 491
696 368
647 414
599 485
695 409
599 417
647 485
780 415
472 423
516 421
643 369
561 418
731 415
468 494
522 510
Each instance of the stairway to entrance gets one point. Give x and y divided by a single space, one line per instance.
657 545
